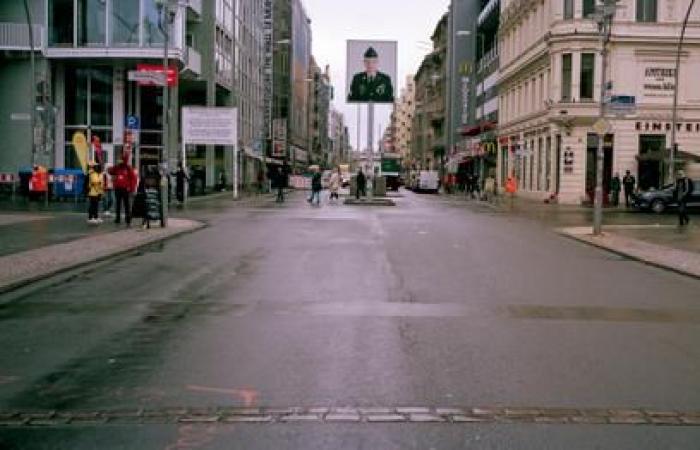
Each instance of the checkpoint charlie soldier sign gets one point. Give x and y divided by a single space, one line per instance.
371 71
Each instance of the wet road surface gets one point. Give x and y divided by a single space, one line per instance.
431 303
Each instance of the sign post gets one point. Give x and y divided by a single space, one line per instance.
212 126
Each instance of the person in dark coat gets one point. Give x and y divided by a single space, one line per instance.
371 85
316 187
683 189
628 183
615 188
361 185
280 183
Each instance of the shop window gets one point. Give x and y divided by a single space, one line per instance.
124 22
646 10
568 9
92 22
566 68
587 76
61 23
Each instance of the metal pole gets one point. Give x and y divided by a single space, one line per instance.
166 109
235 171
370 143
674 121
32 94
600 154
359 128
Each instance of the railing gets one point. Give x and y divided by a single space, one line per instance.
487 59
195 5
15 36
490 6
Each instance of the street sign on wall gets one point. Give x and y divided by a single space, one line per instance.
152 75
209 126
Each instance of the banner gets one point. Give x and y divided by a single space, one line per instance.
81 147
371 71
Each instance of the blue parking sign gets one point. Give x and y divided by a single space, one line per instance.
133 123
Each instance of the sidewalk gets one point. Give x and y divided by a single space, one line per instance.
654 239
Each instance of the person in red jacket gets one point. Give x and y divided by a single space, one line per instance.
124 181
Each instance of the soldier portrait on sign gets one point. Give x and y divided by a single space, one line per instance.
371 69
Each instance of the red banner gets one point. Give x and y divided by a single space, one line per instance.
155 68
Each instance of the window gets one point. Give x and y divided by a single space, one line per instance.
61 22
588 8
646 10
125 22
92 23
566 77
152 36
568 9
587 75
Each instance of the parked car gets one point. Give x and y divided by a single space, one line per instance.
660 200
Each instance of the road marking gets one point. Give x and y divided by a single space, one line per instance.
374 415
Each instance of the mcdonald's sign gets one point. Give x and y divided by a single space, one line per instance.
488 147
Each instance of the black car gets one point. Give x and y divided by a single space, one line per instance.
659 200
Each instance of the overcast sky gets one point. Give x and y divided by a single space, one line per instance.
410 22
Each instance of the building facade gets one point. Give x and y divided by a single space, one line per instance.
320 97
291 82
550 89
339 139
429 120
402 121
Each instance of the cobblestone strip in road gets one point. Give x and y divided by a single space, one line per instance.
22 268
414 415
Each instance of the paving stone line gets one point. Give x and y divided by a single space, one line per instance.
367 415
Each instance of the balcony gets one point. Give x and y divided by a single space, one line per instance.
194 10
193 64
15 36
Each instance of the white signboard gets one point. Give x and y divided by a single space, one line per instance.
371 71
209 126
145 77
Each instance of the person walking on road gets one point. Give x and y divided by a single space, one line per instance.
316 187
125 183
683 189
628 183
334 185
94 193
280 183
361 188
615 187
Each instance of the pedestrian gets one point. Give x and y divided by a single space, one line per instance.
125 183
94 193
222 181
683 189
511 189
628 183
181 177
108 195
280 184
316 187
361 188
489 188
470 185
334 184
615 187
261 181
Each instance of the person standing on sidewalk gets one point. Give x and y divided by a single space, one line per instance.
125 183
95 190
615 187
683 190
361 182
335 184
628 183
181 177
108 196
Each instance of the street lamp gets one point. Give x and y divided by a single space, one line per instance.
168 11
603 17
674 144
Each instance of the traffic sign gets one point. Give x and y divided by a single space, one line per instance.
602 126
132 123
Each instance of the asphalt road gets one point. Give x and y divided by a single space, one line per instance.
431 303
